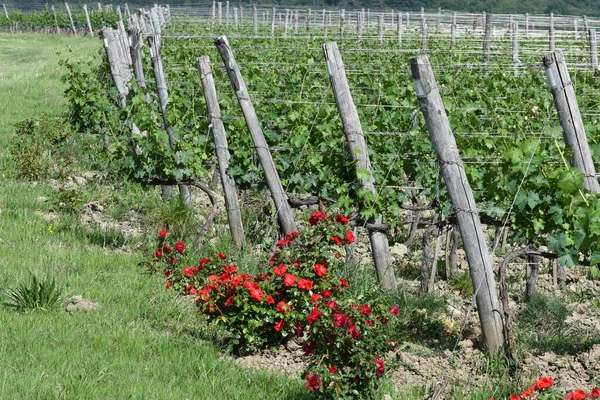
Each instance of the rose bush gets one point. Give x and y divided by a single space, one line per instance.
302 293
544 389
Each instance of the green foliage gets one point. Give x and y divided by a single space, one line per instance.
42 147
33 294
463 283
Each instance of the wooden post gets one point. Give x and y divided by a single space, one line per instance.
510 23
570 117
284 212
487 39
368 19
439 19
71 19
220 12
227 13
453 32
527 24
400 30
423 32
551 32
457 184
342 20
127 12
235 17
6 12
308 22
273 22
214 11
116 64
593 50
380 28
407 19
296 23
287 20
360 155
475 22
135 49
585 24
255 18
119 13
55 20
359 25
515 47
154 43
234 214
575 28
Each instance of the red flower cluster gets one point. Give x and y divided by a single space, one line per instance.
546 382
313 382
380 366
314 316
317 217
287 239
580 394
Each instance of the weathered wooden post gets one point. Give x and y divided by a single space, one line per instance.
463 202
71 19
527 24
593 50
227 13
515 47
358 148
154 43
308 12
453 31
487 39
6 11
407 19
400 30
234 214
423 32
439 19
87 19
551 32
284 212
135 49
254 18
273 22
214 11
380 28
235 17
127 12
342 20
220 12
570 117
119 13
296 23
575 28
55 20
510 23
287 20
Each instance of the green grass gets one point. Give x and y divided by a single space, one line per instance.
141 343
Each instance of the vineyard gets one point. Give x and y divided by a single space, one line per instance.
450 141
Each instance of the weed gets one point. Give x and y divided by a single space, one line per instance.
34 294
463 283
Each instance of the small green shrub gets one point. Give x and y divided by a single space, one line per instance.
34 294
41 147
462 283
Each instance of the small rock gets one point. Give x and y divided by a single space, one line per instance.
79 181
79 303
398 251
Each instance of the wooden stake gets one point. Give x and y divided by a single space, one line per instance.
570 117
453 32
87 19
6 12
575 28
273 22
227 13
463 202
515 47
255 18
359 25
400 30
593 50
154 43
380 28
71 19
234 214
423 32
55 20
220 12
135 49
527 24
308 22
214 11
284 212
360 155
487 39
551 37
439 19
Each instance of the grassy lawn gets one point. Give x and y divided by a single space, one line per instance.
141 343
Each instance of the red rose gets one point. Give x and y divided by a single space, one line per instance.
317 217
270 300
395 310
283 307
350 238
314 316
305 284
313 382
320 269
280 270
289 280
365 310
168 284
179 246
230 269
577 395
279 325
595 393
342 219
203 262
167 273
344 283
236 281
313 298
380 366
333 370
339 320
229 301
283 242
159 254
514 397
352 331
256 294
544 382
189 272
163 233
222 256
326 293
336 240
167 249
